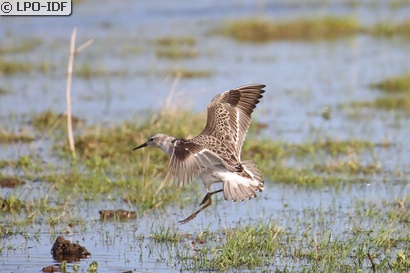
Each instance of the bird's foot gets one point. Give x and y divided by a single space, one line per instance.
189 218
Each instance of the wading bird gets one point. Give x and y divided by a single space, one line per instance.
215 154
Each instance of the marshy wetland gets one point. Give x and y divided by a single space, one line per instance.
330 136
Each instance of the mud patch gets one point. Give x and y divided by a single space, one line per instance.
11 182
70 252
120 214
50 268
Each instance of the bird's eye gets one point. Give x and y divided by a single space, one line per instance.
151 139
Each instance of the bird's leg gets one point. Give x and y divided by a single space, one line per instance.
208 196
206 202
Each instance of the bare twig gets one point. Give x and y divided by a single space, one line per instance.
84 46
171 94
372 262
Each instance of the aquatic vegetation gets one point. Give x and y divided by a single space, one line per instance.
312 238
176 48
260 240
391 29
8 137
10 47
188 73
257 30
12 204
399 84
386 103
397 90
10 68
108 169
49 120
176 53
86 71
165 235
176 41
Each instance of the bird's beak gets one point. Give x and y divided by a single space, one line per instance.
141 146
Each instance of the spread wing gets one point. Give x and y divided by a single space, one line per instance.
188 160
229 115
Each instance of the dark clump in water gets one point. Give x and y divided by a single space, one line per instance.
10 182
50 268
117 214
65 250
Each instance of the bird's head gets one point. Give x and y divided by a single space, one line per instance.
161 141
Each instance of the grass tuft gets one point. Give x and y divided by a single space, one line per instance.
188 73
176 41
400 84
259 30
386 103
49 119
176 53
7 137
248 246
87 72
23 46
390 29
12 68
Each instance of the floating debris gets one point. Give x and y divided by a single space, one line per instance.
11 182
50 268
117 214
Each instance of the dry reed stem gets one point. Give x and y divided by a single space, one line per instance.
73 51
68 92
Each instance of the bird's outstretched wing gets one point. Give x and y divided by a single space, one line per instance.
229 115
188 160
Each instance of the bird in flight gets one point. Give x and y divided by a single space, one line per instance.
215 154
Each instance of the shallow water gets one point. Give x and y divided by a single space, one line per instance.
122 246
301 79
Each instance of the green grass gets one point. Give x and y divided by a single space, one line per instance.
176 48
397 95
175 41
107 166
312 239
12 204
316 170
386 103
8 137
188 73
10 68
176 53
258 30
399 84
165 235
21 47
390 29
311 242
260 240
86 71
51 120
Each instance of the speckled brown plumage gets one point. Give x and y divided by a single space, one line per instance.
215 154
